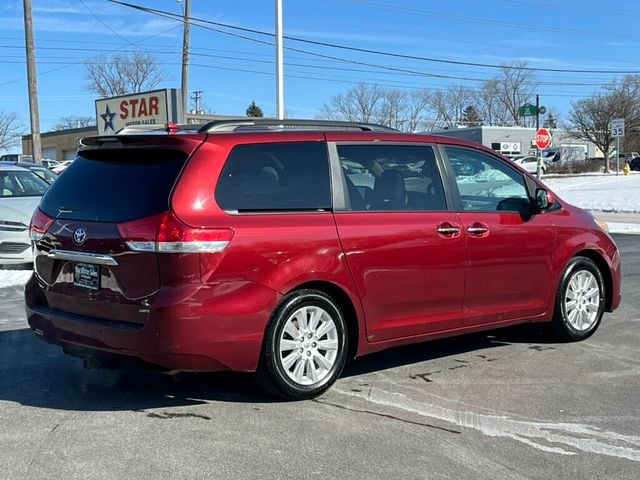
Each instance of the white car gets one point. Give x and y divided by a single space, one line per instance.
20 193
61 167
529 163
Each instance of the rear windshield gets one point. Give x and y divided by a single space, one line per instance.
114 185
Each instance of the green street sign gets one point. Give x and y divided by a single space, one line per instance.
528 110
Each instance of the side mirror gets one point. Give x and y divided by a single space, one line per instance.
544 199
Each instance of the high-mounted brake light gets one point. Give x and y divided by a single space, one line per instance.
40 223
172 128
165 233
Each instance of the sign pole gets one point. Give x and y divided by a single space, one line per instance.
543 141
617 154
617 131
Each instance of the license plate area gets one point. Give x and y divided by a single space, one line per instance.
86 275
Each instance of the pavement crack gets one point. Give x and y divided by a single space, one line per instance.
44 442
170 415
387 416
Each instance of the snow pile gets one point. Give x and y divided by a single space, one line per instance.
606 193
9 278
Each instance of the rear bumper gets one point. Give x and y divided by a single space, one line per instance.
196 328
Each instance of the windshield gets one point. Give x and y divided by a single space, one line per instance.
16 183
46 174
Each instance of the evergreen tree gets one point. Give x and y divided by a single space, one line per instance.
470 117
254 110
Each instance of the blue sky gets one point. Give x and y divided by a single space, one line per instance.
232 71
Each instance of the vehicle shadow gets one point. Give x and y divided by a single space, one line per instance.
534 334
34 373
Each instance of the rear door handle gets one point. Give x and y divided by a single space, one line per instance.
477 229
448 230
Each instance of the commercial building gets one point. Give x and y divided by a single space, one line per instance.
516 141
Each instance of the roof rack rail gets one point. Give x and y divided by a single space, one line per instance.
262 124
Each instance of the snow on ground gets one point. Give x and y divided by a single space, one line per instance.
606 193
9 278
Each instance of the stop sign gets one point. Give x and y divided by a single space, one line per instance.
543 138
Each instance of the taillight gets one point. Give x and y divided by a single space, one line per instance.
165 233
40 223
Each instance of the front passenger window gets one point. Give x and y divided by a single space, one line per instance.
486 184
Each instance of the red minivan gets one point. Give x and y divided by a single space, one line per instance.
285 247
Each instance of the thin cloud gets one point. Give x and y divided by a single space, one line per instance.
622 44
65 25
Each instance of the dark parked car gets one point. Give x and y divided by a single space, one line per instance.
634 163
253 246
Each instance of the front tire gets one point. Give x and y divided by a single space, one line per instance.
580 300
305 346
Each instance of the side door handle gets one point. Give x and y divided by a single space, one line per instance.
448 230
477 229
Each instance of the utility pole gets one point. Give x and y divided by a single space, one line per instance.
197 95
32 80
185 57
279 66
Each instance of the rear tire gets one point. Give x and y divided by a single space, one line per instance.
580 300
305 346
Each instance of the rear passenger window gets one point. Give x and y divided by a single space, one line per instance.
275 177
392 177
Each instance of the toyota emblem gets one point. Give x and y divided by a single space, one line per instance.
79 236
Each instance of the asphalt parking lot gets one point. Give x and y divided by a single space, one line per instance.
511 404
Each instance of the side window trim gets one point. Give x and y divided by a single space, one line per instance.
340 198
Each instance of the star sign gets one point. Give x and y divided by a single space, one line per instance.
107 116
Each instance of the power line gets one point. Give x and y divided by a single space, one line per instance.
371 51
235 55
103 23
483 21
385 69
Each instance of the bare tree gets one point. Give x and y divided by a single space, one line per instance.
74 121
449 105
513 88
392 108
123 73
10 130
489 106
590 118
417 107
358 104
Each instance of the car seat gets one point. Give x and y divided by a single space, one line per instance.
389 192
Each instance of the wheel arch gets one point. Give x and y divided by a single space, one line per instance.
346 305
603 266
